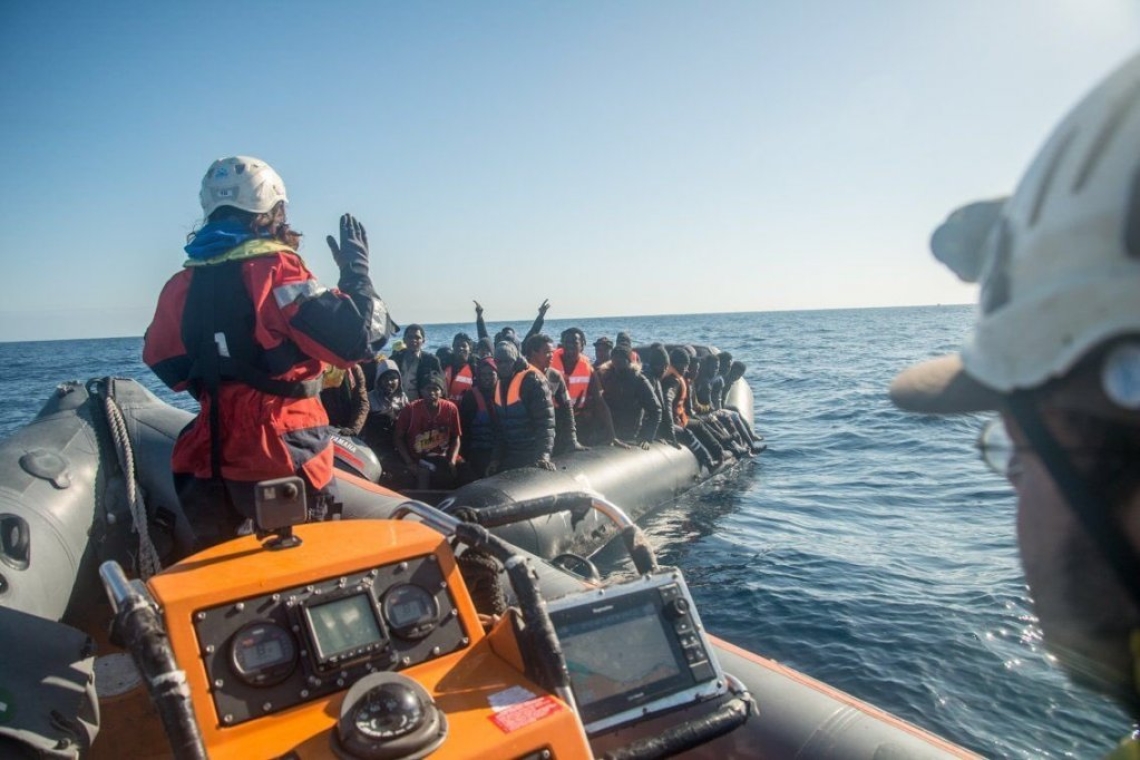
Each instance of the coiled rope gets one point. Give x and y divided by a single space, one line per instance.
149 562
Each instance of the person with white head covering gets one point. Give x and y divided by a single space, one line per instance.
1056 353
247 330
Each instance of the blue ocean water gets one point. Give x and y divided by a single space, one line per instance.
868 548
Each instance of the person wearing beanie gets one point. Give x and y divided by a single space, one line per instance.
602 348
428 436
525 413
479 421
636 410
676 390
705 404
624 339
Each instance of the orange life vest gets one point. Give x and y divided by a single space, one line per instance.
679 415
578 381
458 383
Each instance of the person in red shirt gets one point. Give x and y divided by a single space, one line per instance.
428 434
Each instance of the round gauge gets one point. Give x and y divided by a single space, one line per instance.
262 654
410 611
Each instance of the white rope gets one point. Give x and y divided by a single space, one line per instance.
149 562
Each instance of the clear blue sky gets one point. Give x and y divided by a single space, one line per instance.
616 157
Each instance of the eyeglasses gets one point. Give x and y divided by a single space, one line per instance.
997 447
999 450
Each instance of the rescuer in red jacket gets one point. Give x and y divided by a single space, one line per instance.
244 327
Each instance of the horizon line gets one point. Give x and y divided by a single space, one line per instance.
563 319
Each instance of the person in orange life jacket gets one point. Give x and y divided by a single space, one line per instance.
1055 352
691 374
478 419
675 389
385 402
245 326
428 436
508 333
459 367
602 348
524 412
635 407
415 363
595 426
540 353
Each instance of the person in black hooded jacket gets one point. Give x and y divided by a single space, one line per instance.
635 408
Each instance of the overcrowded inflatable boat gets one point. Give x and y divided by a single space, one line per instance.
402 630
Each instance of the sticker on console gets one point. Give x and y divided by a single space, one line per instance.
517 708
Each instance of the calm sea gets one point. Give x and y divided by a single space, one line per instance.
867 548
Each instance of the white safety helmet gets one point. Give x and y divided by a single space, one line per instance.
243 182
1059 261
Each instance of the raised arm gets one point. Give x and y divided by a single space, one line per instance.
480 325
536 328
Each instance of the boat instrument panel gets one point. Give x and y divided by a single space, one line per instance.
305 650
267 653
359 639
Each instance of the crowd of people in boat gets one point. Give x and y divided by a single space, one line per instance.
271 355
489 404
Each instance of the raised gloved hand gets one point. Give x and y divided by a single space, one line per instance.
352 253
543 307
478 308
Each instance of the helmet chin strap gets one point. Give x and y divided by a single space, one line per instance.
1087 501
1085 498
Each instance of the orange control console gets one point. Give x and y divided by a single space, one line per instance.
359 642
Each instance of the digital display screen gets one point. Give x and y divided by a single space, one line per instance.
599 670
408 605
410 611
261 654
344 624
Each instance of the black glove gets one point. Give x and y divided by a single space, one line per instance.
352 253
